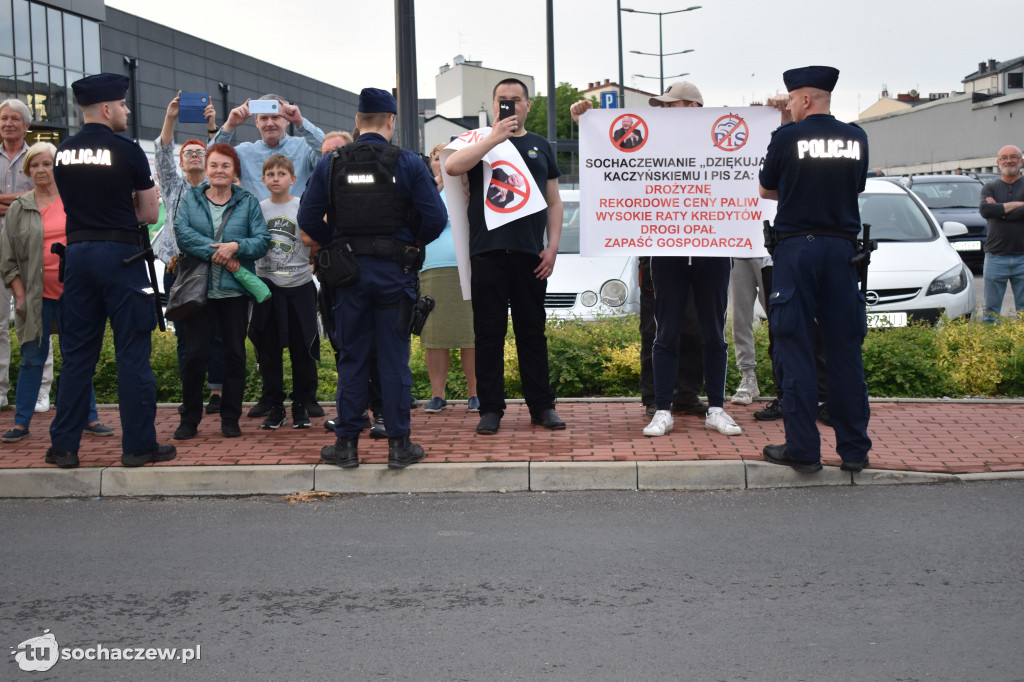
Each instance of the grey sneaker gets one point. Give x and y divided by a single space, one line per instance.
747 391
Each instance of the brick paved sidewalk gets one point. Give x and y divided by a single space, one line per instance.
936 436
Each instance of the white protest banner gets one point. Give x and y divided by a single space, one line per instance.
674 181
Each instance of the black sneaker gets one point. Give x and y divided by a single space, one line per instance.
162 453
300 418
697 408
213 407
770 413
378 430
823 415
329 425
313 409
62 458
185 431
275 418
260 409
230 429
489 423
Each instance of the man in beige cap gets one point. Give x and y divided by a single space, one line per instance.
673 278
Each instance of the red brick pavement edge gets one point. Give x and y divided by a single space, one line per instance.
930 436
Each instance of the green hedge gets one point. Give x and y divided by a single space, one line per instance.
602 358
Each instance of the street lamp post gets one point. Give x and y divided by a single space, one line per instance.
661 54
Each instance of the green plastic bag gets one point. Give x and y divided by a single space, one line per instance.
256 287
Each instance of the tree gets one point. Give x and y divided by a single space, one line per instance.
565 129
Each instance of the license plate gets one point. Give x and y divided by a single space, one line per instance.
881 320
967 246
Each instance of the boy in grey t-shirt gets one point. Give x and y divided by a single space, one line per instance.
288 317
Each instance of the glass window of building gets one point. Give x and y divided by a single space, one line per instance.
73 42
55 36
91 45
7 89
22 44
38 14
6 29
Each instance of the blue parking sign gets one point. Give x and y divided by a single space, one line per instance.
609 100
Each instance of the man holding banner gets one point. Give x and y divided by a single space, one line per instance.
510 264
673 277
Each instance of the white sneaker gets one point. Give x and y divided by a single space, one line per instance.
718 420
43 402
660 425
747 391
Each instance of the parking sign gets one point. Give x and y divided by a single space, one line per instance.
609 100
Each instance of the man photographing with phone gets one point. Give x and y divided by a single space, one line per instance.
273 115
510 264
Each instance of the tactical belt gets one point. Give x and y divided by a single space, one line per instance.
373 245
848 236
123 236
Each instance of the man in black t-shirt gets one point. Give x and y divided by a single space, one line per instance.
511 265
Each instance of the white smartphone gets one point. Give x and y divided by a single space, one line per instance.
263 106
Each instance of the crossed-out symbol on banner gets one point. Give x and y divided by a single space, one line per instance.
502 173
632 133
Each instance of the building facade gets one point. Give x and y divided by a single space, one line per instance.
963 130
46 46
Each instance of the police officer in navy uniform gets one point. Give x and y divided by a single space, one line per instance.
108 191
382 203
815 168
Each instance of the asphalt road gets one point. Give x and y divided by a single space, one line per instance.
862 583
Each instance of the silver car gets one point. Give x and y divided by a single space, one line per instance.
588 288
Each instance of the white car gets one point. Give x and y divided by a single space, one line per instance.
915 274
587 288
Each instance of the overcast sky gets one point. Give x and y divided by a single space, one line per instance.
740 47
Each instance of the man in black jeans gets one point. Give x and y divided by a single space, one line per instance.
511 265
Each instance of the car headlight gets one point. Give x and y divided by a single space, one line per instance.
588 298
953 281
613 293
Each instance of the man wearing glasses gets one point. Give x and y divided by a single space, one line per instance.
1002 204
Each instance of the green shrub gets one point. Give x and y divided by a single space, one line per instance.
602 358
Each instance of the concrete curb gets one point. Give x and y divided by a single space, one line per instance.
370 479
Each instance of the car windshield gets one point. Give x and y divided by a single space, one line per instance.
895 218
570 239
949 194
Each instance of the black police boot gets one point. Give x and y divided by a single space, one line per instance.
344 453
402 452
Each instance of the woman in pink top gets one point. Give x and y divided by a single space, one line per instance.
34 222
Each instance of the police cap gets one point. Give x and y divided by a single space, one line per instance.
377 101
102 87
820 77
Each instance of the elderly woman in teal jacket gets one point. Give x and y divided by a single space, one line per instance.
219 207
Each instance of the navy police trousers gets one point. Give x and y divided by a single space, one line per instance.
98 286
365 314
813 280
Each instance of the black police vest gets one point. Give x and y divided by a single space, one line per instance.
362 199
